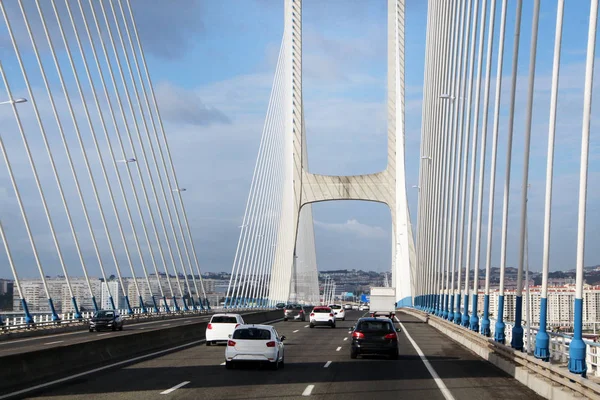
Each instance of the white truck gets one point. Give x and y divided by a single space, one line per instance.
383 301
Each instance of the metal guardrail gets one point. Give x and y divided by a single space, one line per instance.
557 373
17 324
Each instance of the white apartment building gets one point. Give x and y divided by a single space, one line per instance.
81 292
115 291
36 297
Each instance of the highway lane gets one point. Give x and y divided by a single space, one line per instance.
317 362
16 346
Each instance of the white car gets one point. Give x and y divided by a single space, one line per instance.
338 311
364 307
322 315
255 343
355 307
221 326
348 307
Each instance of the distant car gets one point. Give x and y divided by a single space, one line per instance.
364 307
257 344
355 307
374 336
221 326
295 312
106 319
338 311
322 316
348 307
280 306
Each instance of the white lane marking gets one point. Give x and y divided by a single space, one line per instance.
327 364
223 363
187 322
345 338
295 331
338 349
306 326
142 329
59 341
92 371
174 388
103 334
165 324
138 358
439 382
308 390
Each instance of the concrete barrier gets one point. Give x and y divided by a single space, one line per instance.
547 380
23 369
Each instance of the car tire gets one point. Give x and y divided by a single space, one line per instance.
228 365
343 319
275 366
208 342
353 354
114 328
91 330
121 328
333 326
283 362
285 319
312 326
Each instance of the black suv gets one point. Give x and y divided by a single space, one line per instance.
106 319
374 336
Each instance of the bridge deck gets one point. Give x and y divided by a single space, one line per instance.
307 352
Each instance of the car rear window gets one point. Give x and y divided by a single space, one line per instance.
223 320
297 307
252 334
375 326
322 310
336 307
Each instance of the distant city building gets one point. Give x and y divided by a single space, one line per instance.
81 291
112 288
6 286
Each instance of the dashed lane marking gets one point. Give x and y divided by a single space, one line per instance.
338 349
174 388
295 331
308 390
327 364
59 341
223 363
306 326
345 338
165 324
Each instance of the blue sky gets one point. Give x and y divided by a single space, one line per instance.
212 64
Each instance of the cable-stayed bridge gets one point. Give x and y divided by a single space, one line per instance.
79 96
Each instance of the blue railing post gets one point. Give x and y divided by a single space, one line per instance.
457 314
465 316
451 307
112 302
207 304
142 305
542 339
156 310
167 309
474 321
28 317
517 331
577 348
485 321
185 306
499 334
55 316
77 314
129 310
95 303
177 309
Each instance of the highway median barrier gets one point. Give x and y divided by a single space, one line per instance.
21 370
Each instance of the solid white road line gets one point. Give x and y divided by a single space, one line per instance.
338 349
295 331
103 334
174 388
165 324
327 364
60 341
439 382
92 371
308 390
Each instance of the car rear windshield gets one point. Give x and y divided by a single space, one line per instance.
375 326
223 320
252 334
336 307
321 310
105 314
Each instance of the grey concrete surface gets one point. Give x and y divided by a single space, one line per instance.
307 352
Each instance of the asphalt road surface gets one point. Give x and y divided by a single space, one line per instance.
317 365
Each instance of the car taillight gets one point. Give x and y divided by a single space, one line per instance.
331 315
312 314
391 336
358 335
230 343
236 325
271 344
209 326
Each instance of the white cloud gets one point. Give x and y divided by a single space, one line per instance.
355 228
